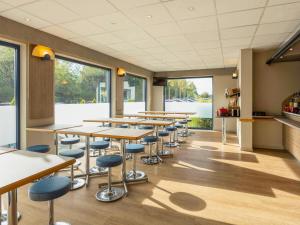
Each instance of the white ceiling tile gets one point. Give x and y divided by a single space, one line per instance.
202 36
232 52
81 40
113 22
128 4
156 50
238 32
173 40
187 9
165 29
25 18
280 2
17 2
236 5
236 42
207 45
179 48
131 34
148 15
266 39
4 6
243 18
265 46
230 61
281 13
122 46
276 28
88 8
82 27
198 25
50 11
146 43
105 39
209 52
60 32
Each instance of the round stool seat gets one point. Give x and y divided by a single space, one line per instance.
163 133
183 121
49 188
39 148
109 161
178 125
150 139
123 126
172 128
134 148
70 141
106 139
74 153
146 127
99 145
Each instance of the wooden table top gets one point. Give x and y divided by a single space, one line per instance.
157 122
166 112
6 150
19 168
52 128
83 130
123 133
115 120
174 116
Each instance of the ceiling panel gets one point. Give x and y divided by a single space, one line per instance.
131 34
113 22
82 28
237 5
202 36
187 9
88 8
265 39
4 6
199 25
237 19
165 29
276 28
61 14
281 13
238 32
25 18
279 2
207 45
129 4
146 43
17 2
106 39
60 32
237 42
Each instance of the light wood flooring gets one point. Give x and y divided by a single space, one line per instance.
205 183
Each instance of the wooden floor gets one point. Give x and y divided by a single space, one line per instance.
205 183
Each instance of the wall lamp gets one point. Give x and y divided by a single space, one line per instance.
121 72
43 52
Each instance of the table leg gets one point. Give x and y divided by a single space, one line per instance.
87 155
56 143
224 131
12 208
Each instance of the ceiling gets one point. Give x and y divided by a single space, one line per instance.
163 35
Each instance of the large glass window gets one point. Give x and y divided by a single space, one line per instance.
135 89
191 95
9 94
82 91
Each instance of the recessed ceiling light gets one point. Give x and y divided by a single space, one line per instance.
113 23
291 49
26 19
149 16
191 8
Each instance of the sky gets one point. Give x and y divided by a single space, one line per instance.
202 84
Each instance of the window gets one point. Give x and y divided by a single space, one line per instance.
9 95
82 91
135 89
191 95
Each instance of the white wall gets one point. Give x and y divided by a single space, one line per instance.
157 98
220 83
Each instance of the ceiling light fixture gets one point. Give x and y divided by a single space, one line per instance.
291 49
43 52
149 16
26 19
121 72
191 8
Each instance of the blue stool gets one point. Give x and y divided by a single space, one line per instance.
49 189
123 126
76 154
135 175
185 132
172 143
150 159
70 141
109 193
180 126
99 146
164 152
39 148
146 127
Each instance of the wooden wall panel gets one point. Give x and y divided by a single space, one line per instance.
291 138
41 88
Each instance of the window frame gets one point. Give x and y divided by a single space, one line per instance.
145 89
212 99
17 88
95 66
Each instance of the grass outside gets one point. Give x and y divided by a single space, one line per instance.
201 123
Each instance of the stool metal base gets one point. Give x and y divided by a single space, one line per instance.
165 153
77 183
105 196
97 170
138 175
3 219
171 144
150 160
61 223
94 153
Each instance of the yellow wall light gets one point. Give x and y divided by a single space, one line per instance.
121 72
43 52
